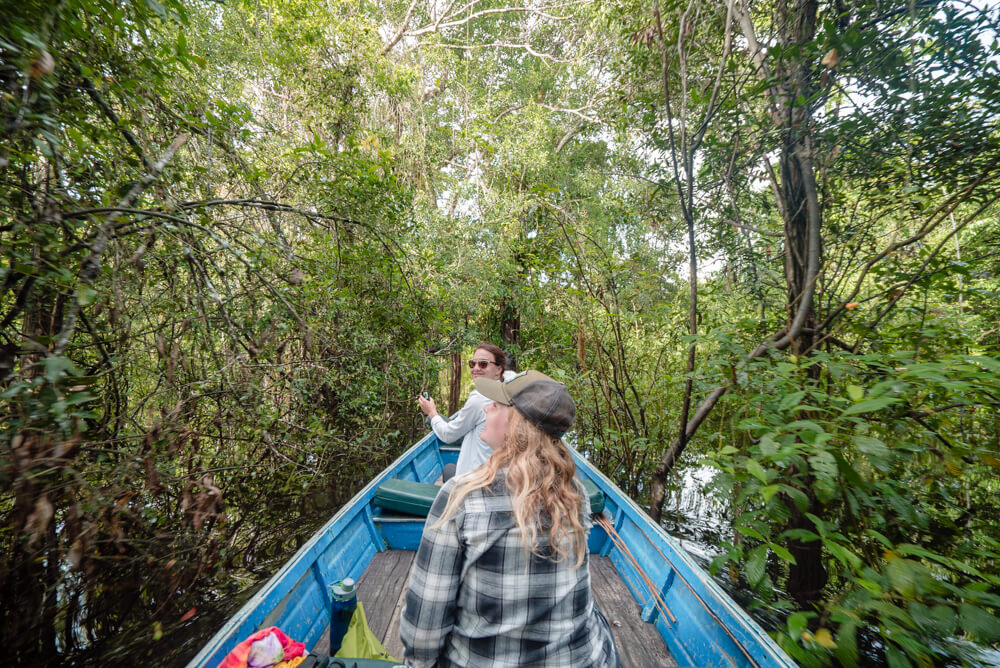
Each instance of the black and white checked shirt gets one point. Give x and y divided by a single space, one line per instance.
476 599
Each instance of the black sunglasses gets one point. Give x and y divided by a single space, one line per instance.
482 364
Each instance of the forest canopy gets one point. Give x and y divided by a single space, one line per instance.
238 238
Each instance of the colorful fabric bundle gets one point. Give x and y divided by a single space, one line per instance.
263 649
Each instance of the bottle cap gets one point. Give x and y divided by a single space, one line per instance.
342 589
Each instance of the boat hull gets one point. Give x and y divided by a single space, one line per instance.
700 624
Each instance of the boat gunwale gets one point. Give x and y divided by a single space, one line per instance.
290 573
739 617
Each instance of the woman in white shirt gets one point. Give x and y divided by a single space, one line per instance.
488 361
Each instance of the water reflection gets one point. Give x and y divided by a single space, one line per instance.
693 515
701 520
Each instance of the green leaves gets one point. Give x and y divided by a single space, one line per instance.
979 622
86 295
876 451
756 470
755 563
58 368
824 466
939 619
861 472
791 400
870 405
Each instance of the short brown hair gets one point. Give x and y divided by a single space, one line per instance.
499 356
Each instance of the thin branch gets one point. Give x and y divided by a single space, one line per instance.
930 256
402 29
437 26
507 111
756 51
935 218
918 415
575 112
130 139
502 45
726 48
431 93
572 132
936 433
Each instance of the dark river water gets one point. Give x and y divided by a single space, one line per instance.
701 523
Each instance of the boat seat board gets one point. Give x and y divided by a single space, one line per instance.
416 498
596 496
382 589
406 496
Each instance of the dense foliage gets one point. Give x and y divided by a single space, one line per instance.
239 238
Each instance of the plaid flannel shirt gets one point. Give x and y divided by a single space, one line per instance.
476 599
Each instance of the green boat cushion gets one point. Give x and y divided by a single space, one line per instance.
406 496
596 496
416 498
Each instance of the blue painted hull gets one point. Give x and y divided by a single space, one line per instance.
700 624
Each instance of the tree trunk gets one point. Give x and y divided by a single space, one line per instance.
800 206
510 333
510 325
27 584
455 387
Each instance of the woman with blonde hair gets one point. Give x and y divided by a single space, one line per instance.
501 577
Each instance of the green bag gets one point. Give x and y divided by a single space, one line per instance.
359 642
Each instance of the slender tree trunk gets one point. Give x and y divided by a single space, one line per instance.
800 204
683 163
510 325
510 333
455 386
510 317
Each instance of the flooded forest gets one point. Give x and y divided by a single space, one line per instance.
758 240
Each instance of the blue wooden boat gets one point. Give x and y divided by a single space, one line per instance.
674 602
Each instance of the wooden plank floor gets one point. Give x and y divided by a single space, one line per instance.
381 590
639 643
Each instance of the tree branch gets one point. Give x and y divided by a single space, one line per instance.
576 112
116 122
503 45
92 264
438 25
934 219
402 29
572 132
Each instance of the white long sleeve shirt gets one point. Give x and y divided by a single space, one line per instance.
467 425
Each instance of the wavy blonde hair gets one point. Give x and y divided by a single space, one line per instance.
541 478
